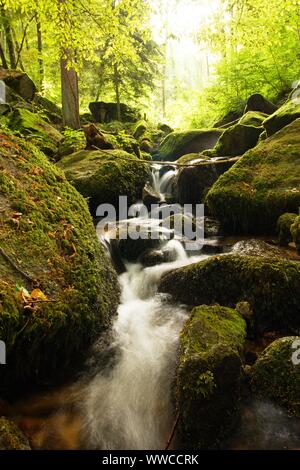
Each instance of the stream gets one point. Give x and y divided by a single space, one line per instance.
128 404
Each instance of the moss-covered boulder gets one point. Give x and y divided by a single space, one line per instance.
139 129
49 108
193 182
284 225
209 375
34 127
288 113
58 290
177 144
11 437
276 376
236 140
253 118
192 158
271 286
19 82
295 231
261 186
259 103
104 175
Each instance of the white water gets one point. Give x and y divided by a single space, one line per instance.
131 408
162 184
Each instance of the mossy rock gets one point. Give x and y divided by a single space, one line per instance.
271 286
34 127
209 376
258 103
19 82
236 140
261 186
275 377
48 242
50 109
139 129
253 118
192 158
284 225
295 231
284 116
104 175
73 141
11 437
177 144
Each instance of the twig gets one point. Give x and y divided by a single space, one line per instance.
16 268
169 442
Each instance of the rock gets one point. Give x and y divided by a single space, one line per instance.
192 158
132 250
211 227
253 118
48 233
140 129
154 257
262 186
209 376
177 144
150 196
95 139
275 377
256 248
11 437
107 112
257 102
236 140
19 82
295 231
36 129
165 128
73 141
104 175
284 225
284 116
52 111
229 119
146 145
232 278
194 182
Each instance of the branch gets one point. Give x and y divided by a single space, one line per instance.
15 267
23 39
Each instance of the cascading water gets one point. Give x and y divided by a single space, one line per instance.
131 407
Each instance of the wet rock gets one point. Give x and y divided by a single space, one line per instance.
263 185
11 437
177 144
276 377
154 257
256 248
194 182
209 376
284 225
132 250
150 196
232 278
257 102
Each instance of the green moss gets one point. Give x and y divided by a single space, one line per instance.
253 118
284 224
139 129
275 377
34 127
190 158
236 140
208 375
104 175
261 186
284 116
295 231
47 231
73 141
11 437
177 144
271 286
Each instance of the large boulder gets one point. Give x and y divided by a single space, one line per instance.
209 376
104 175
276 377
236 140
11 437
193 182
108 112
177 144
19 83
253 118
36 129
295 231
261 186
257 102
284 225
58 290
288 113
47 107
271 286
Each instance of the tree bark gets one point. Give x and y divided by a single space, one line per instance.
69 94
9 39
3 58
117 91
40 51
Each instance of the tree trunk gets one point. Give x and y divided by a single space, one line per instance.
69 94
117 91
40 51
3 58
9 39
